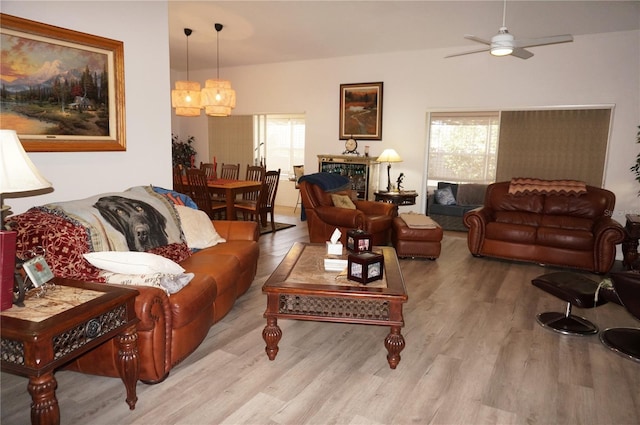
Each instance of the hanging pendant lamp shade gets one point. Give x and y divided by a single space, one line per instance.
218 98
186 96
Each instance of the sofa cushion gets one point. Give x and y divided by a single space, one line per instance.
445 196
516 233
577 240
518 217
452 210
566 222
471 194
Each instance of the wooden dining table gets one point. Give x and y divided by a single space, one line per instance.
230 189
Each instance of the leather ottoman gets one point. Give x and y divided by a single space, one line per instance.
421 242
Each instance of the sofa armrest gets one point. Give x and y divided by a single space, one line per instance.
237 230
341 217
476 221
607 233
154 335
377 208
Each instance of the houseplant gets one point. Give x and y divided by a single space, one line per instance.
182 152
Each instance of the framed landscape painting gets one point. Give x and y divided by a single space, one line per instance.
361 111
62 90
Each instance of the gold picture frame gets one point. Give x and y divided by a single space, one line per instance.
62 90
361 111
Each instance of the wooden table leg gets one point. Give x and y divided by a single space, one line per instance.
395 344
44 404
271 335
129 363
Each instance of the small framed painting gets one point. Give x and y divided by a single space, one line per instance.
361 111
62 90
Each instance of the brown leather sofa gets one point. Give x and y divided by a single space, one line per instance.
556 229
323 217
172 326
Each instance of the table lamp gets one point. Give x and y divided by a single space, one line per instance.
389 156
17 175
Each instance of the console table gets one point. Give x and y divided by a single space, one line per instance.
71 319
399 198
630 244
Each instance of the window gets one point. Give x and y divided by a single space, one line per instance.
279 141
463 147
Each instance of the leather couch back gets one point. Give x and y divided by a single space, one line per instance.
595 203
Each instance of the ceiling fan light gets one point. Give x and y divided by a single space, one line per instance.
502 43
501 51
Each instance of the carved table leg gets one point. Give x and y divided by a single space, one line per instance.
271 335
395 344
129 363
44 404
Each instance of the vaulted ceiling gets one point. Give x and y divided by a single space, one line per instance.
258 32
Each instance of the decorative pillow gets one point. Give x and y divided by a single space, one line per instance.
445 196
170 283
132 262
342 201
198 229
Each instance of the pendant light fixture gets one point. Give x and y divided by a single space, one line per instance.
218 98
186 97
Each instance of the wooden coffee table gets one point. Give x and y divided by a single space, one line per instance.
300 289
70 320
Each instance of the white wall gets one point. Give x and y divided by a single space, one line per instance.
143 27
598 69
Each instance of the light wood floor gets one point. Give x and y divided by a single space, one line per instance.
474 355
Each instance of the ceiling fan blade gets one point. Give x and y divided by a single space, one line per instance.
469 52
521 53
477 39
543 41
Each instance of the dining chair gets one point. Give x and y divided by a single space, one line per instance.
298 171
257 209
199 192
254 173
230 171
209 168
178 183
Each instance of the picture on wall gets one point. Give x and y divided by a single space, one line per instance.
62 90
361 111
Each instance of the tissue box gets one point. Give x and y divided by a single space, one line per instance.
334 248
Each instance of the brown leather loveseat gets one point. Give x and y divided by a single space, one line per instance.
172 325
570 228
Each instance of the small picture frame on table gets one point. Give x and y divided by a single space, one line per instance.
359 241
365 267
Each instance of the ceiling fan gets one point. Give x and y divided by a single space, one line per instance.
504 43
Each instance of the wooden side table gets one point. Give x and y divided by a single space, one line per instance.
68 321
407 197
631 258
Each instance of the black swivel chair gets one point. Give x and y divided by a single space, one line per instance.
625 341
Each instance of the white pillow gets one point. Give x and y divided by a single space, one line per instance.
133 262
198 229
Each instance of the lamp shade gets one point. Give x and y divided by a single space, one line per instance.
389 155
218 98
186 98
17 172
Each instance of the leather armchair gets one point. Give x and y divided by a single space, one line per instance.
323 217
